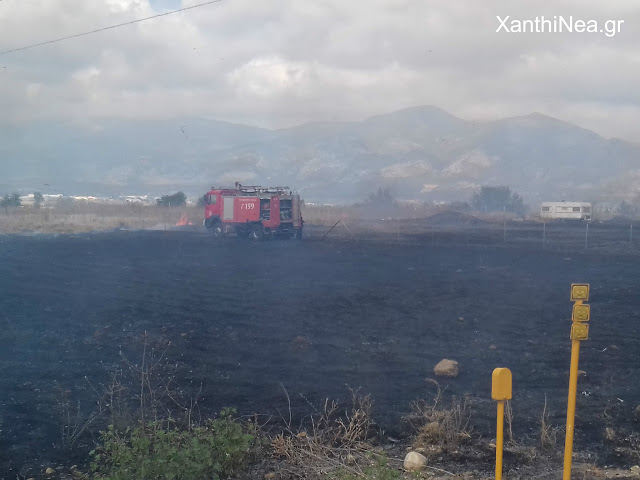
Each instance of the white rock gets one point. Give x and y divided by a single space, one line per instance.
446 368
414 462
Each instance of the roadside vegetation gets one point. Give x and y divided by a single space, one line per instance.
495 204
148 425
68 216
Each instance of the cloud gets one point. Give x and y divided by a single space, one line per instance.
284 62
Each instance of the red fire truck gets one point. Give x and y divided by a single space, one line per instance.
253 212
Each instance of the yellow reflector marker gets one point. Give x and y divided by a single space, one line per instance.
501 384
500 391
579 291
581 313
580 331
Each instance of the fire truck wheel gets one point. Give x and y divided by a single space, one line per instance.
257 232
217 230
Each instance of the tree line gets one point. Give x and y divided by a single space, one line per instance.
13 200
487 199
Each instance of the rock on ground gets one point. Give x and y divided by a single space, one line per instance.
446 368
414 462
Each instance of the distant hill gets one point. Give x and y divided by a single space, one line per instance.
420 153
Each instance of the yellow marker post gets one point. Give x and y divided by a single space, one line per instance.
500 391
579 331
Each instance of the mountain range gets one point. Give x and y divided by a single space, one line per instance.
420 153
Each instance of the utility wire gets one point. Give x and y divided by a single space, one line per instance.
108 28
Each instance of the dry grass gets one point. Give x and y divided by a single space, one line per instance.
438 423
548 433
508 414
329 215
90 217
335 438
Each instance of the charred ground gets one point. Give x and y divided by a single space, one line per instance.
245 320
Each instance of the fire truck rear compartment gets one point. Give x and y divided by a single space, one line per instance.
265 209
286 209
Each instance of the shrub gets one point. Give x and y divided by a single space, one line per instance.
438 423
218 449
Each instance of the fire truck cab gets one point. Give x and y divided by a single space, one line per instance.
253 212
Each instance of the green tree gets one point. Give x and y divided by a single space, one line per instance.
12 200
382 198
178 199
500 198
627 209
38 199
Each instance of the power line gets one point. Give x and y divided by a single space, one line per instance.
108 28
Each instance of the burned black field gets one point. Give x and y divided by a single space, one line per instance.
248 321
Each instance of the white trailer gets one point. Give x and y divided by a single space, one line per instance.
566 210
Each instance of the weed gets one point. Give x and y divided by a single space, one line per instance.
333 436
548 433
73 422
218 449
437 423
508 413
143 392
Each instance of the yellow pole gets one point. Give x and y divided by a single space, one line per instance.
571 406
499 439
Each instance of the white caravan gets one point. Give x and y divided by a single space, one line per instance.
566 210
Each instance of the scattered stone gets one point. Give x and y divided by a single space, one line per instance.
461 319
414 462
301 435
635 470
49 471
638 411
270 475
493 347
301 342
351 459
581 373
613 347
609 434
446 368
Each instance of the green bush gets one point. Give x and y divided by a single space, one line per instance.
216 450
176 200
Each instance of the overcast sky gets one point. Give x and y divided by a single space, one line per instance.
277 63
